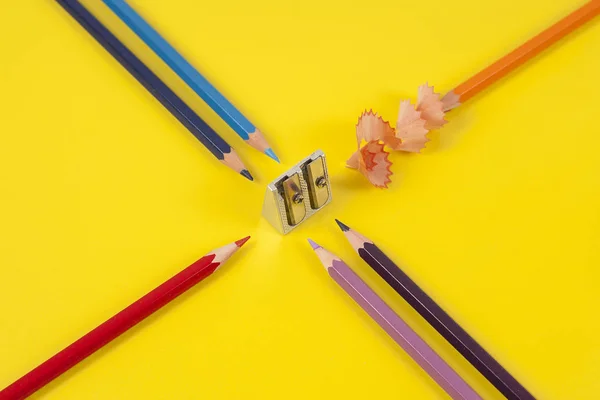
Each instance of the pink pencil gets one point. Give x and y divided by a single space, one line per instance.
402 334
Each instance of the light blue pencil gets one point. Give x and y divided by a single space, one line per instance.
227 111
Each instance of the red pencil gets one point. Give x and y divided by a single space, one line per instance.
119 323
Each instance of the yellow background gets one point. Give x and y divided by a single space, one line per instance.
104 195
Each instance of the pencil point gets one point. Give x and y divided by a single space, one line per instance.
313 244
241 242
247 174
343 227
271 154
257 140
232 160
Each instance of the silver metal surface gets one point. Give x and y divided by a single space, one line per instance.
283 202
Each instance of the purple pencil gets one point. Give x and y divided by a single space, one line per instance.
436 316
402 334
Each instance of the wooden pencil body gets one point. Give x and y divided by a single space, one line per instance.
443 323
110 329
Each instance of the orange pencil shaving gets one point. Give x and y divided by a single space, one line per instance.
428 113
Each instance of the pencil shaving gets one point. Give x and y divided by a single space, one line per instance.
410 134
431 107
371 128
372 161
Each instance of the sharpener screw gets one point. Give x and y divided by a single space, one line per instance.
321 182
298 198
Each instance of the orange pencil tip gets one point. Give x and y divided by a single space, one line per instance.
241 242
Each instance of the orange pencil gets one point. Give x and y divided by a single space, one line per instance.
525 52
427 114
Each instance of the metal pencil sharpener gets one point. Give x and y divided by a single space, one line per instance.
298 194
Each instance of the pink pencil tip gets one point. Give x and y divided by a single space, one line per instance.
313 244
241 242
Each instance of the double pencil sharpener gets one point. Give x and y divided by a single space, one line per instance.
296 195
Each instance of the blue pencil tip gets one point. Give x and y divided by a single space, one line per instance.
246 174
343 227
313 244
271 154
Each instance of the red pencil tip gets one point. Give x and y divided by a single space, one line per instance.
241 242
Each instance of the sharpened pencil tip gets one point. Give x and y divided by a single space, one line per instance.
240 243
313 244
271 154
343 227
246 174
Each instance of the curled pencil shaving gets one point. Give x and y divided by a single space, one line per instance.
431 107
410 133
371 128
372 161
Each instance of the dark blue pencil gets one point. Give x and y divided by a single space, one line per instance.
190 75
200 129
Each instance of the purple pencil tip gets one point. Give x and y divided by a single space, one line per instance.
343 227
313 244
